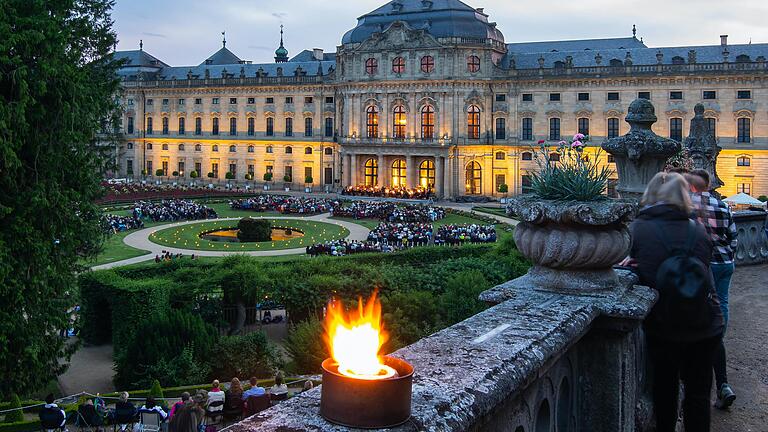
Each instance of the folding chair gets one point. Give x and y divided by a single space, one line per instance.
150 421
123 419
214 411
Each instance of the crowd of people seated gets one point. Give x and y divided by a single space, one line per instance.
172 211
189 414
115 224
457 234
343 247
418 193
402 235
284 204
388 212
115 192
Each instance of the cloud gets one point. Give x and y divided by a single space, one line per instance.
279 15
260 47
157 35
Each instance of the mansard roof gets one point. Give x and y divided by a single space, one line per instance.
575 45
587 55
440 18
222 57
139 58
309 55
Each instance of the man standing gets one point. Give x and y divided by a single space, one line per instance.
717 219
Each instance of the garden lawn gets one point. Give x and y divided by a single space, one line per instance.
496 211
115 250
188 236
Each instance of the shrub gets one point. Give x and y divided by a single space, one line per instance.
503 188
308 179
287 178
245 356
254 230
249 176
172 348
573 176
159 172
16 415
306 345
763 198
460 299
144 172
211 175
175 173
229 175
267 177
156 391
194 174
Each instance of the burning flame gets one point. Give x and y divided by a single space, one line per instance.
355 339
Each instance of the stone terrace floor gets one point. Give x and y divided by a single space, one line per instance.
747 346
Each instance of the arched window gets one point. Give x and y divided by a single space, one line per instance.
743 129
251 149
149 146
371 66
214 148
427 174
399 122
398 65
270 149
743 161
308 150
583 124
328 151
198 147
371 172
289 150
181 147
473 122
399 176
474 179
526 156
233 149
473 64
427 64
427 123
500 155
165 146
372 121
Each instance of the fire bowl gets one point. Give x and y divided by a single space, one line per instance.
368 404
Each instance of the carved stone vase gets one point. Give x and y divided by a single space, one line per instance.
572 245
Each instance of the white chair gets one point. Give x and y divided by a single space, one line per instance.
149 421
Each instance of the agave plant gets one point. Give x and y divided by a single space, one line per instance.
572 175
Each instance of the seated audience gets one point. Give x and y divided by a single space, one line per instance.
51 416
184 399
151 406
280 388
255 390
216 398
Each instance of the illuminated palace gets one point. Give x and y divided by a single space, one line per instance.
429 93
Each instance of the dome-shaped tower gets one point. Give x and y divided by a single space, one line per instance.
281 54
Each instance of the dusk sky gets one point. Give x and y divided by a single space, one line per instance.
186 32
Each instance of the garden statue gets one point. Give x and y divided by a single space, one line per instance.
640 154
702 146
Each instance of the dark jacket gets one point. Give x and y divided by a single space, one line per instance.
649 251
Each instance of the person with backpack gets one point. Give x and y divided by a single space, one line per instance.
672 253
716 217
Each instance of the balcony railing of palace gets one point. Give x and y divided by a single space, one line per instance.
227 82
536 360
642 70
752 245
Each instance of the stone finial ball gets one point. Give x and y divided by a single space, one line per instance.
641 111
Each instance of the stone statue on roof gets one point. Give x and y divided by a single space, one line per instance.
702 146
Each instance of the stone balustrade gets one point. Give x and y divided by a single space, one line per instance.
536 360
753 243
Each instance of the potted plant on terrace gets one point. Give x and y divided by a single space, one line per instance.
193 175
503 188
570 230
267 179
288 180
308 180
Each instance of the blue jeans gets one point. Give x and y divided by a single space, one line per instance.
722 274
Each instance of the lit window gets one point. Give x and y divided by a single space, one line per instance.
474 179
399 122
427 64
371 172
427 122
372 122
427 174
399 176
473 122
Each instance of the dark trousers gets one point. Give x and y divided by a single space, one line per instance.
690 362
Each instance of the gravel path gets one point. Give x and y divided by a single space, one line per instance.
746 345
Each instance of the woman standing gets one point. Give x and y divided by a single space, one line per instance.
672 254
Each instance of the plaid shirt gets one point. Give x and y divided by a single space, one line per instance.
716 218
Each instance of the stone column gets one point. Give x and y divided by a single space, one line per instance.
409 170
353 169
346 177
381 180
439 161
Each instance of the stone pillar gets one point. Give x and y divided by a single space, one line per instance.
347 174
353 169
381 180
439 176
409 170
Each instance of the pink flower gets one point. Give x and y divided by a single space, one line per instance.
577 144
562 143
578 137
541 141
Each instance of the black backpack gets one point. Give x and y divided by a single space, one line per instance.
684 284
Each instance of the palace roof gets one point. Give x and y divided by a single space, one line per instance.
222 57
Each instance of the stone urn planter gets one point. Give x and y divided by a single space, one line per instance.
572 245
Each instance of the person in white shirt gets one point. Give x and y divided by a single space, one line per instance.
51 409
279 388
215 395
151 406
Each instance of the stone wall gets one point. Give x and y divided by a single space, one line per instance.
535 361
753 243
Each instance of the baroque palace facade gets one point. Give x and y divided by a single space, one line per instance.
428 93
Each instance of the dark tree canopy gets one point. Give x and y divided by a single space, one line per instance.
58 90
254 230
